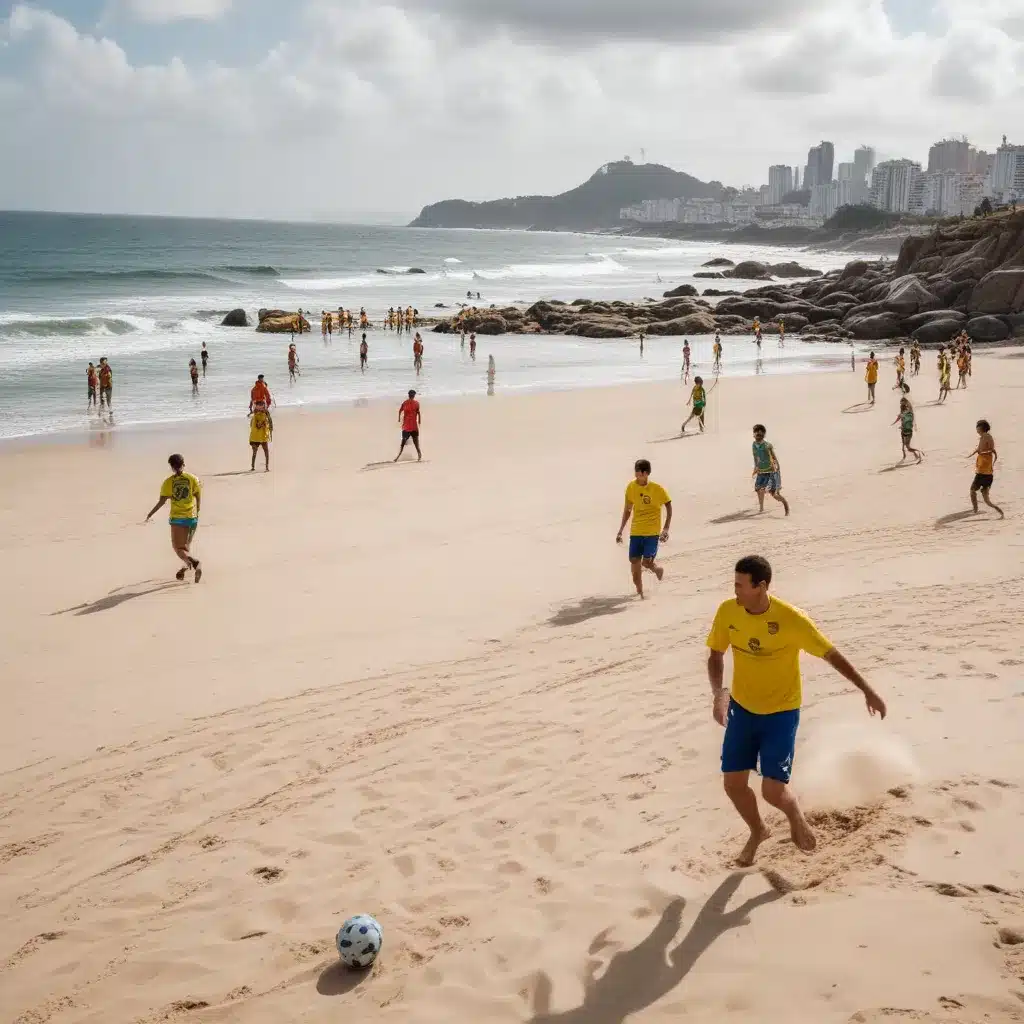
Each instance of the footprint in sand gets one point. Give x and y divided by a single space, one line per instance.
268 874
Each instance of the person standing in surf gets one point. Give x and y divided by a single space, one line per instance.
92 381
762 713
364 353
204 357
106 385
184 492
193 372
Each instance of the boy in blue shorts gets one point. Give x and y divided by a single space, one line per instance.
644 502
762 713
767 471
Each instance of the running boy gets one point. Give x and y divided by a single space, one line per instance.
984 467
906 422
767 471
699 399
644 502
185 494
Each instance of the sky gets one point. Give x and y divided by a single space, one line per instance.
369 109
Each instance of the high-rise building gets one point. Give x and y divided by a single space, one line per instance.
780 183
824 200
820 162
980 162
796 179
864 162
892 183
939 194
1003 175
950 155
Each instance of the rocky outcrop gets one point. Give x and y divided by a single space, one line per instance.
279 321
719 261
964 276
236 318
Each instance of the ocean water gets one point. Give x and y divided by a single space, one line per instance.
147 292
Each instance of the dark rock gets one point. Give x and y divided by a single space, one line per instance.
440 305
715 291
695 323
719 261
937 332
491 323
1015 321
709 275
683 289
1001 291
750 270
874 327
579 302
858 268
442 327
907 296
236 318
988 328
602 327
792 269
794 321
911 323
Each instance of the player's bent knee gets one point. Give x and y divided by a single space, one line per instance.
774 791
735 782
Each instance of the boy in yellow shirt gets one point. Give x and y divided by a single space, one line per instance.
185 493
762 713
871 377
644 502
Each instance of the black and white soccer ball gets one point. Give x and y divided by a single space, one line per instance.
359 941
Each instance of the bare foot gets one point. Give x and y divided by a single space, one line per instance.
749 852
785 505
801 834
659 573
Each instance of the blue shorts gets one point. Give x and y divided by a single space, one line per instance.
762 742
770 482
192 524
643 547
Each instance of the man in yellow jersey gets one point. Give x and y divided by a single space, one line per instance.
185 494
762 713
871 377
984 467
644 502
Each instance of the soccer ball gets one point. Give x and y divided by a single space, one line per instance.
359 941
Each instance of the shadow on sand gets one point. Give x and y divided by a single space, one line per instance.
675 437
588 608
902 464
235 472
859 407
639 977
736 517
120 596
390 462
953 517
338 980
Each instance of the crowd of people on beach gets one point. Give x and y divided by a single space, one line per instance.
760 714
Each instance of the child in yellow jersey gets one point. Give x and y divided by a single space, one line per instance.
984 467
871 377
762 714
944 374
900 362
644 502
185 493
261 433
698 399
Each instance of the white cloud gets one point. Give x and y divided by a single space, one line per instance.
160 12
389 105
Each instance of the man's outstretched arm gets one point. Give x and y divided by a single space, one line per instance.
876 706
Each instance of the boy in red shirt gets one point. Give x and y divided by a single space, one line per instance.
410 418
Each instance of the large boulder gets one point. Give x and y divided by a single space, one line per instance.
911 323
683 289
279 321
792 269
236 318
875 327
695 323
858 268
491 323
720 293
907 296
937 332
750 270
988 328
602 327
1002 291
718 261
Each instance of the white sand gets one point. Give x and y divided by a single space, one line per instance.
387 696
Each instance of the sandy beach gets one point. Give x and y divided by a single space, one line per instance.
426 692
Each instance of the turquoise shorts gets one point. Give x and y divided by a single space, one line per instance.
192 524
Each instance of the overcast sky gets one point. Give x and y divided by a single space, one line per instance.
345 108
